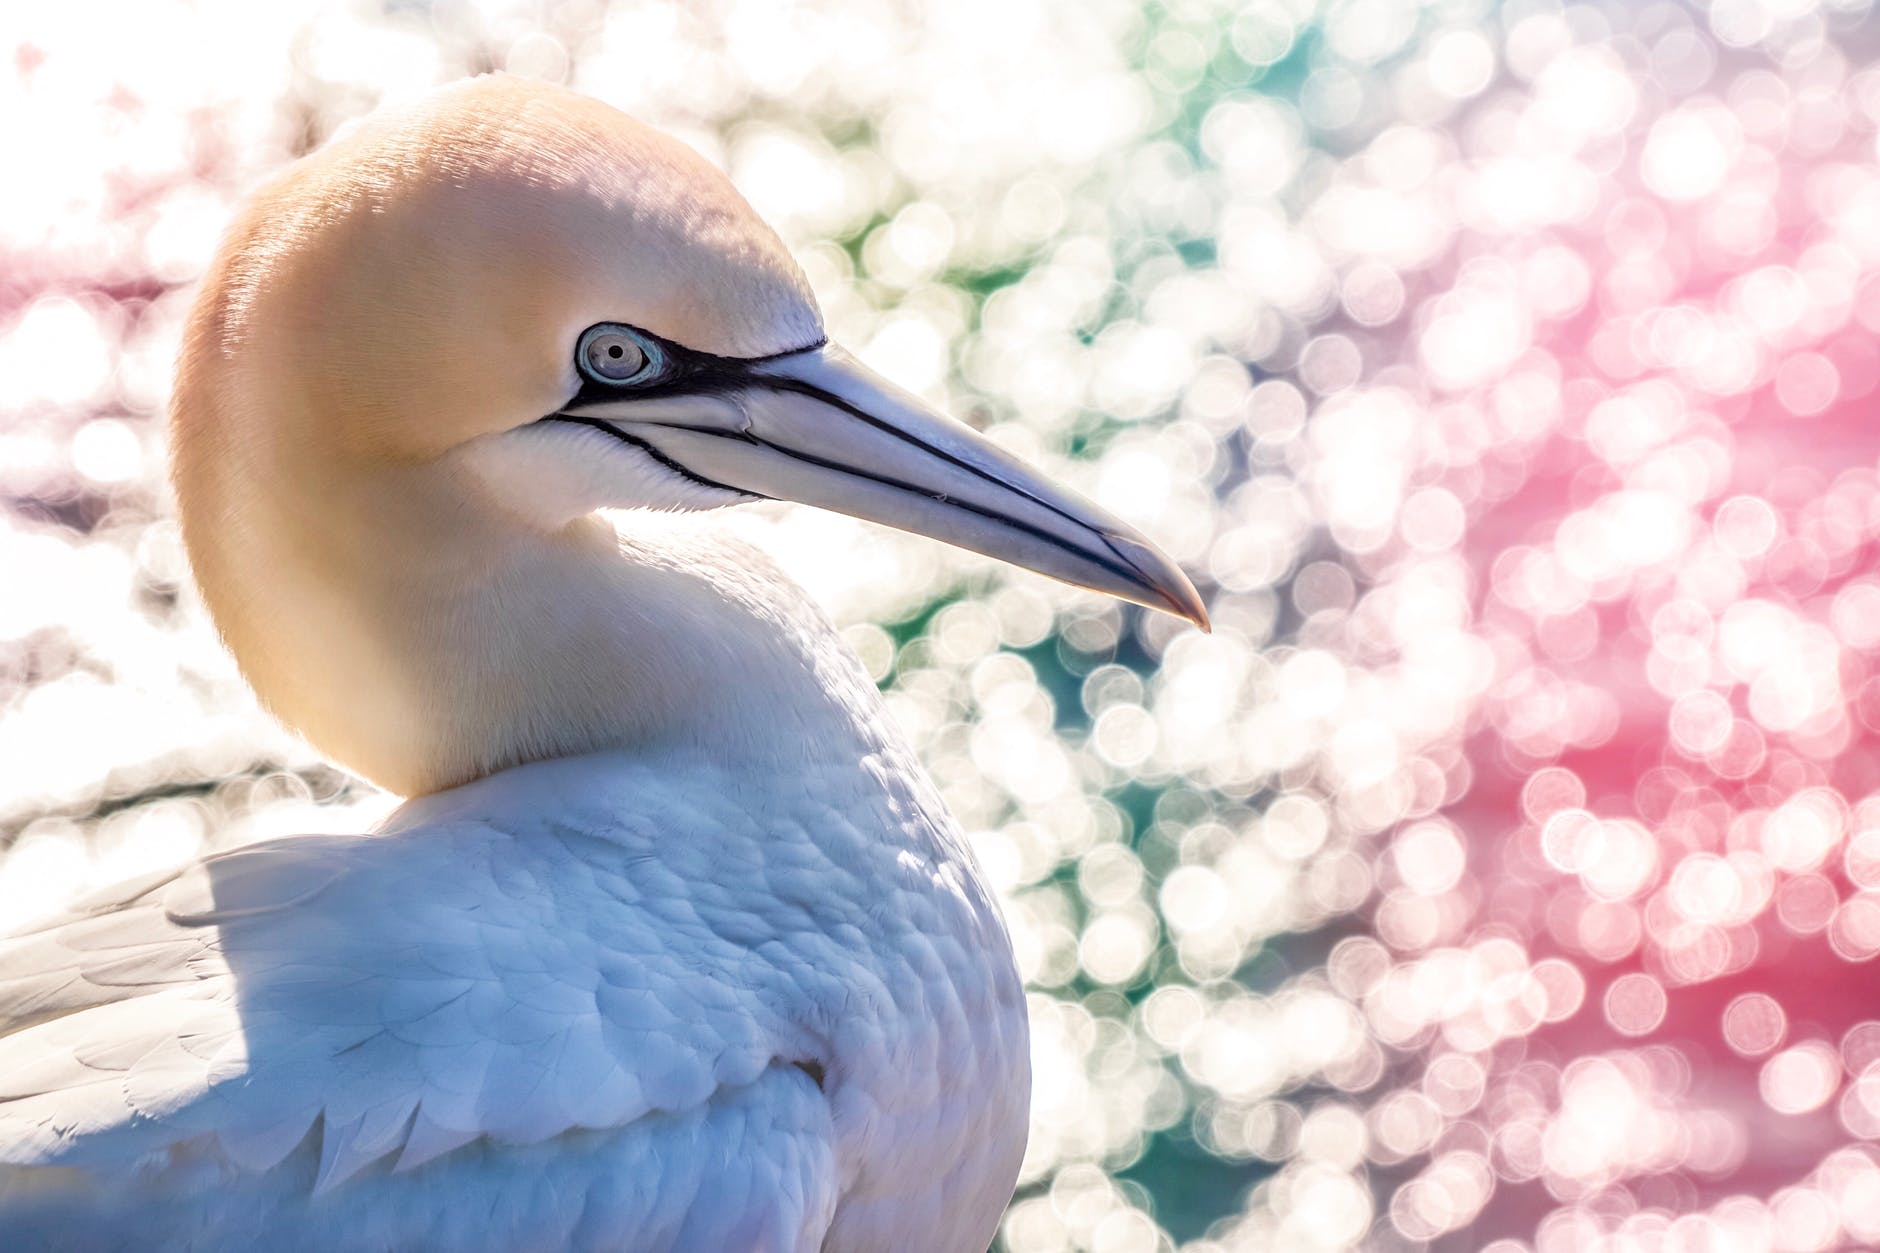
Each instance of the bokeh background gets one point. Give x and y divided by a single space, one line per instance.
1503 872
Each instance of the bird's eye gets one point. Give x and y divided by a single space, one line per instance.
617 354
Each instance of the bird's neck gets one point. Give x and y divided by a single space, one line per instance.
423 647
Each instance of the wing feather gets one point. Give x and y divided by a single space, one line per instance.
399 998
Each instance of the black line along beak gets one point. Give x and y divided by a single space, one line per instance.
816 426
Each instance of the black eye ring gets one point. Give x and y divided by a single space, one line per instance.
614 355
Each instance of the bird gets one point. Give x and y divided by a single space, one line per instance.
673 945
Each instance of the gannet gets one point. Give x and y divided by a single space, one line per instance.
675 946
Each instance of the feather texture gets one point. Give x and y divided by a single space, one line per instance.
609 1023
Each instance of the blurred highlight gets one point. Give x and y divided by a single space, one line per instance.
1502 873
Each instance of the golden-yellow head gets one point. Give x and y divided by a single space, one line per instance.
428 352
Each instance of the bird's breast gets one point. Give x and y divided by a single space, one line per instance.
832 917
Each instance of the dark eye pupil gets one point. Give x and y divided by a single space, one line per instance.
613 350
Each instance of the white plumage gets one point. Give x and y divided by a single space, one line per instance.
677 949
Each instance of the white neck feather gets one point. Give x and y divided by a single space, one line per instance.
424 644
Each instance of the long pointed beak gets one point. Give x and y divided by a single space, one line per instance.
819 427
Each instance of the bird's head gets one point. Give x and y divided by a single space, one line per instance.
577 312
463 327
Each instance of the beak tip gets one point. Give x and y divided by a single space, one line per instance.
1185 602
1160 575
